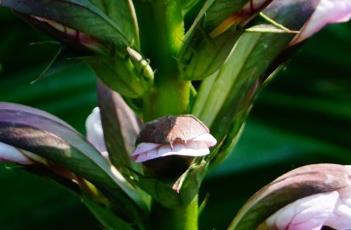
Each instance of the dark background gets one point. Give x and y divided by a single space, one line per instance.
304 116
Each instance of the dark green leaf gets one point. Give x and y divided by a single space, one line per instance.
117 26
106 217
122 75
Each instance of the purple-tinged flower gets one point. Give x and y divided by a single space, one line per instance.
197 147
173 136
308 197
332 209
327 12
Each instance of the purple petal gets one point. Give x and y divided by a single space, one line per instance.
144 147
327 12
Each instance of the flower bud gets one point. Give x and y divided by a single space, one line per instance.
308 197
168 145
327 12
332 209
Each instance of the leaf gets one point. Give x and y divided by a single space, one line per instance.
106 217
122 75
49 137
117 27
178 192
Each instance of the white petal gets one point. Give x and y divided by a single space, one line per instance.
95 133
205 138
181 150
11 154
327 12
164 149
144 147
341 217
167 150
146 156
310 212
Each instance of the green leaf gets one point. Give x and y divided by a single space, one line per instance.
51 138
106 217
122 75
176 193
117 27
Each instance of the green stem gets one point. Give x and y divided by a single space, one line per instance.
162 37
180 218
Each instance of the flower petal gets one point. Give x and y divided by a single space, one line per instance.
95 133
166 150
12 154
206 138
310 212
144 147
327 12
341 217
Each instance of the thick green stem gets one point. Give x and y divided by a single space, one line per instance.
162 37
181 218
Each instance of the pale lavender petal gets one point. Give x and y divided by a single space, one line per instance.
310 212
167 150
341 217
144 147
196 145
146 156
164 149
206 138
327 12
95 133
181 150
11 154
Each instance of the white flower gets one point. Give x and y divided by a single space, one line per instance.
332 209
327 12
196 147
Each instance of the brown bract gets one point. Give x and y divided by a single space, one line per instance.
172 129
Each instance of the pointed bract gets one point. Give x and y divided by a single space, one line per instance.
327 12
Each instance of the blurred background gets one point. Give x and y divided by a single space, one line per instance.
302 117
